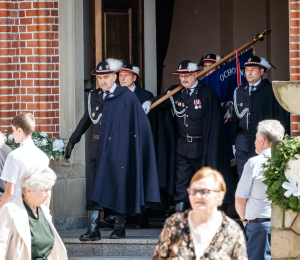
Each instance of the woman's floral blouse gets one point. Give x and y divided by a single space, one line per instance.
175 241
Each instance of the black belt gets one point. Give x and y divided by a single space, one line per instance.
244 132
191 139
95 137
259 220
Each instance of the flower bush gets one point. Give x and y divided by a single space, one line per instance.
52 147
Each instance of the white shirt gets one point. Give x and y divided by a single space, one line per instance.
251 187
133 88
201 241
252 86
111 90
27 157
192 88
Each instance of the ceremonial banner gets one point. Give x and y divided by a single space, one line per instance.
224 80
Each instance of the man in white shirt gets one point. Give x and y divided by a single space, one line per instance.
27 157
251 200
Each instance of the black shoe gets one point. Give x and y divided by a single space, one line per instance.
90 236
142 221
93 232
107 222
119 232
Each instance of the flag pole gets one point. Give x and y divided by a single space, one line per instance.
259 37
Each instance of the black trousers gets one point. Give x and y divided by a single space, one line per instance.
241 154
92 205
185 170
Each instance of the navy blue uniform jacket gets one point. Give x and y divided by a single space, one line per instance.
126 177
262 105
208 121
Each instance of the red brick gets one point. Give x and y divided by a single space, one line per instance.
295 133
294 54
23 105
44 51
26 82
45 43
295 118
26 66
33 75
5 75
8 67
294 7
48 35
57 98
32 44
26 36
16 75
43 82
5 106
38 12
44 67
4 114
6 6
5 36
15 14
55 59
38 28
38 90
54 28
26 98
41 20
57 113
21 13
295 70
56 20
55 121
44 114
55 105
7 21
55 90
55 75
26 51
39 106
295 78
22 59
25 20
5 91
54 12
23 91
22 44
294 14
5 44
294 62
49 128
44 98
7 52
56 66
295 38
23 75
15 29
5 121
15 59
294 47
5 28
294 126
43 121
7 83
294 22
26 5
4 13
292 30
33 59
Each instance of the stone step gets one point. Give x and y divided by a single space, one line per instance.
138 244
110 257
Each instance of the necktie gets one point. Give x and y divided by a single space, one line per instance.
107 92
250 89
188 91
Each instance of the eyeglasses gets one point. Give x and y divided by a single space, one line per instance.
203 192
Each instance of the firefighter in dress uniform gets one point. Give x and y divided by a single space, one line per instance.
199 120
253 102
207 61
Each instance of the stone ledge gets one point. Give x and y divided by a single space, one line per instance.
70 223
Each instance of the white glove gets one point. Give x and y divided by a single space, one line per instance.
233 150
146 106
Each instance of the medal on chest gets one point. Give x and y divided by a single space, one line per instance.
197 103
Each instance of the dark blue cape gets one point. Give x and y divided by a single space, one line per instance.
126 177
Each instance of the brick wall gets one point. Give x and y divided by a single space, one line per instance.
29 62
295 53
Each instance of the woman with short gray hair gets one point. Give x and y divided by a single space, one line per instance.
26 229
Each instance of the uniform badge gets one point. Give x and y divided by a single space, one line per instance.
176 101
99 92
97 108
183 104
179 104
111 95
254 89
93 114
197 103
241 104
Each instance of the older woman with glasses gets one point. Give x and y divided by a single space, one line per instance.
203 232
26 229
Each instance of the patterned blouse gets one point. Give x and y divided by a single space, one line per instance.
175 241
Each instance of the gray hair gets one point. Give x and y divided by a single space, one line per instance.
38 180
272 130
2 139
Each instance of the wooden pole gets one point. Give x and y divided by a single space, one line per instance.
259 37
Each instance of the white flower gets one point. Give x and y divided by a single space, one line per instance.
37 142
51 157
44 142
43 134
292 187
10 137
58 145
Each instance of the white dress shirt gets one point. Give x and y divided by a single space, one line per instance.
111 90
251 187
252 86
27 157
133 88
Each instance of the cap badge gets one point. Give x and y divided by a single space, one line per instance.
100 67
249 59
208 56
180 67
107 67
93 114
